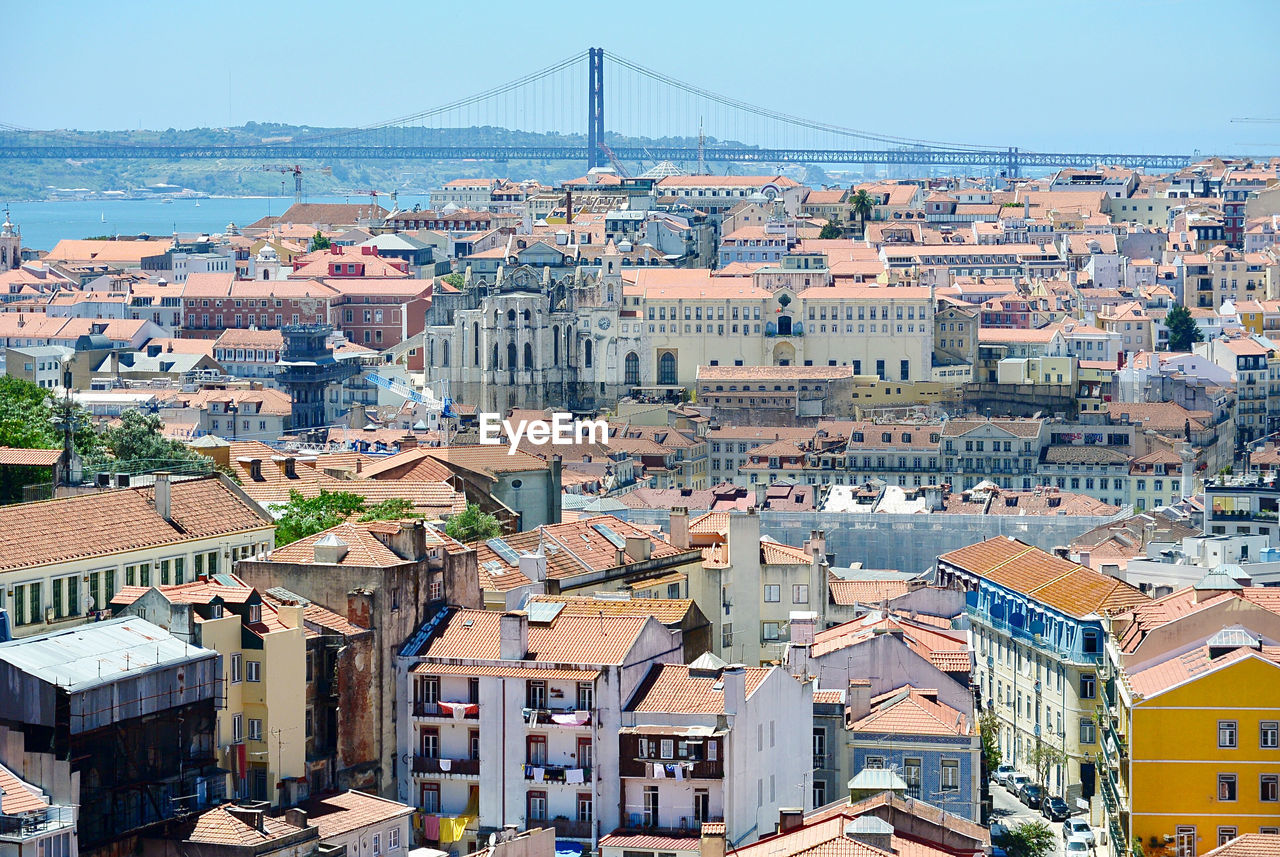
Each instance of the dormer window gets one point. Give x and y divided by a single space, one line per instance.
255 614
215 611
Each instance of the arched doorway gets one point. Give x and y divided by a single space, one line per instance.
784 325
784 354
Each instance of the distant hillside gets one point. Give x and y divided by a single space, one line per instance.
35 179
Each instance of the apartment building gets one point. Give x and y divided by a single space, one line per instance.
262 732
1039 637
387 576
1175 771
749 586
1006 452
710 743
535 695
171 532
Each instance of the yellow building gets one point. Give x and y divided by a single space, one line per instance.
1203 756
264 726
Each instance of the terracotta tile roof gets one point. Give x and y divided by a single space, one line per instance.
1148 616
15 457
828 697
1018 428
314 614
412 464
16 796
922 638
651 842
580 548
240 338
220 827
364 549
776 553
1191 665
1074 589
668 611
489 460
1249 845
473 634
675 689
909 711
512 671
112 522
351 810
872 592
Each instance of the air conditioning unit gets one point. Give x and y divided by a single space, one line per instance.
122 480
102 480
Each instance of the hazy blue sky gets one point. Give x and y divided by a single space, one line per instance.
1120 75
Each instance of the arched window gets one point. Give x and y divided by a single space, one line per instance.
511 357
431 352
527 315
667 369
587 355
444 352
631 369
511 315
555 339
528 357
494 364
475 344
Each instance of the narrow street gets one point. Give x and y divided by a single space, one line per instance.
1010 812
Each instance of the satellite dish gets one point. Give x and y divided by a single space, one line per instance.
493 840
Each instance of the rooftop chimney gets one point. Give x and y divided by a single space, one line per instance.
534 565
680 527
638 548
164 496
789 819
251 817
734 682
296 817
857 700
513 635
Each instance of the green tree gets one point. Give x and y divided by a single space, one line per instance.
1043 758
137 443
304 516
829 231
989 728
26 415
1030 839
455 279
392 509
318 242
472 525
860 206
1183 332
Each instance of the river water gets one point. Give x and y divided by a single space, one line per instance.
43 224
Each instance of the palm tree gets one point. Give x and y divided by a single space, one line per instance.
860 206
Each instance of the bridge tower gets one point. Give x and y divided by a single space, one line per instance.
595 107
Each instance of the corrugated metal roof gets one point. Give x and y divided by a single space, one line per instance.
99 653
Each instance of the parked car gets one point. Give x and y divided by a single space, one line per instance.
1002 773
998 831
1055 809
1031 795
1014 782
1076 845
1080 829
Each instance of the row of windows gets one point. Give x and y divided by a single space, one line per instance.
27 600
1268 734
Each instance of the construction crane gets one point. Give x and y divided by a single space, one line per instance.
372 194
613 159
296 171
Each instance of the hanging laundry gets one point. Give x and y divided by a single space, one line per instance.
445 764
538 775
573 775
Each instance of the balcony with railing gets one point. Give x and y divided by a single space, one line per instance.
659 823
445 767
447 710
567 828
544 773
1025 635
16 828
693 768
565 717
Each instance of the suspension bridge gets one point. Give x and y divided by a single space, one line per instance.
652 117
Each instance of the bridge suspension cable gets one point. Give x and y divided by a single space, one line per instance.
778 116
